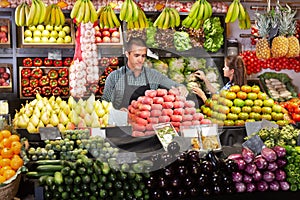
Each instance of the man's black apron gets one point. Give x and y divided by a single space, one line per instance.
133 92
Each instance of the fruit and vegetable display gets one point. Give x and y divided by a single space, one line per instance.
238 105
107 35
292 167
213 32
161 106
66 115
5 76
10 160
292 106
278 86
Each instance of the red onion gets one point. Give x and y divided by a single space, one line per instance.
281 162
260 162
274 186
240 187
284 185
250 187
268 176
280 151
235 156
280 175
262 186
269 154
248 155
247 178
241 164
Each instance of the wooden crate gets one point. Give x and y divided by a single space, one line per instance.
49 45
8 68
6 22
111 44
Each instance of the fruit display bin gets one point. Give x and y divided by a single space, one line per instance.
113 44
5 41
8 80
48 45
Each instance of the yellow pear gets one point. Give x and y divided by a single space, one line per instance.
58 100
63 104
63 118
51 99
89 107
48 106
37 112
28 110
71 102
38 96
34 120
73 116
88 120
54 119
61 127
41 124
45 117
31 128
22 122
33 102
81 124
40 104
70 126
66 109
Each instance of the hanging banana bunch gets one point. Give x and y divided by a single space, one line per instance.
168 18
129 11
141 23
21 13
34 16
84 11
54 15
107 17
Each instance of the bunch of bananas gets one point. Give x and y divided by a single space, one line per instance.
129 11
37 13
21 13
107 17
54 15
141 23
235 11
246 23
200 11
84 11
168 18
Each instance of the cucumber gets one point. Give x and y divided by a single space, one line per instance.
48 162
49 168
35 174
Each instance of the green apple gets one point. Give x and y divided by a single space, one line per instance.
67 29
52 39
28 33
49 27
238 102
268 102
36 39
37 33
46 33
54 34
32 28
277 108
44 39
266 110
243 115
40 27
68 39
58 28
61 34
28 40
60 40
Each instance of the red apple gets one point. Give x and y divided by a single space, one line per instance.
141 121
143 107
174 91
189 104
98 33
190 111
2 80
98 39
115 34
134 103
115 40
176 118
149 127
180 98
158 100
5 84
169 98
145 100
106 39
195 122
161 92
198 116
3 40
105 33
5 75
2 70
138 127
144 114
2 34
175 124
112 30
205 121
4 29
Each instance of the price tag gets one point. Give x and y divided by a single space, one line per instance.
255 144
151 54
252 127
49 133
55 54
126 157
98 132
189 132
268 124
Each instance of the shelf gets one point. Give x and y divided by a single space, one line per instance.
194 52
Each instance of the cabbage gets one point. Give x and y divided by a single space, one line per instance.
190 85
175 76
176 64
161 66
195 64
211 76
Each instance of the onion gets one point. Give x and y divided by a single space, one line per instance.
257 176
262 186
248 155
268 176
274 186
241 164
247 178
280 175
237 176
269 154
250 187
281 162
260 162
272 166
240 187
284 185
280 151
251 168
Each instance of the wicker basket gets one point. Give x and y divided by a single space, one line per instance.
9 191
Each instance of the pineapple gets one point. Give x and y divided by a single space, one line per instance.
280 44
262 46
294 47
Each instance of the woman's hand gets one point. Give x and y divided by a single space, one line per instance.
200 74
198 91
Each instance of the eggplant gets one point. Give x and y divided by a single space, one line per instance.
166 158
194 191
151 182
188 182
169 193
206 166
169 172
211 156
206 191
194 169
215 178
248 155
217 189
202 179
173 147
175 182
230 165
229 189
182 171
162 182
182 158
227 180
193 156
156 159
157 194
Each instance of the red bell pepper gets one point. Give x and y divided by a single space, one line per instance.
56 91
37 62
101 90
48 62
63 81
25 82
67 61
46 91
27 91
25 73
44 81
33 83
108 70
52 74
114 61
94 88
57 63
53 83
27 62
63 72
37 90
37 73
65 91
102 80
104 62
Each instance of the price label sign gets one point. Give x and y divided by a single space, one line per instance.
98 132
255 144
49 133
55 54
126 157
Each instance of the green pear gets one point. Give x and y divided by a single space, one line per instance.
45 117
31 128
54 121
88 120
61 127
34 120
63 118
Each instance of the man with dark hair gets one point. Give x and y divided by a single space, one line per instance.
131 81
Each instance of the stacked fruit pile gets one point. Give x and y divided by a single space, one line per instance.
10 160
161 106
4 76
238 105
293 107
4 33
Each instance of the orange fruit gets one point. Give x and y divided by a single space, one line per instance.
2 179
6 133
4 162
14 138
1 136
9 173
16 163
3 169
7 152
6 142
16 147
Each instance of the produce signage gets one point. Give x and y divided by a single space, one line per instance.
255 144
49 133
165 133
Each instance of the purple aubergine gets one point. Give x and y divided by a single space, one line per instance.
272 166
247 178
250 168
237 177
248 155
281 162
269 154
241 164
274 186
257 176
284 185
235 156
280 151
260 162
